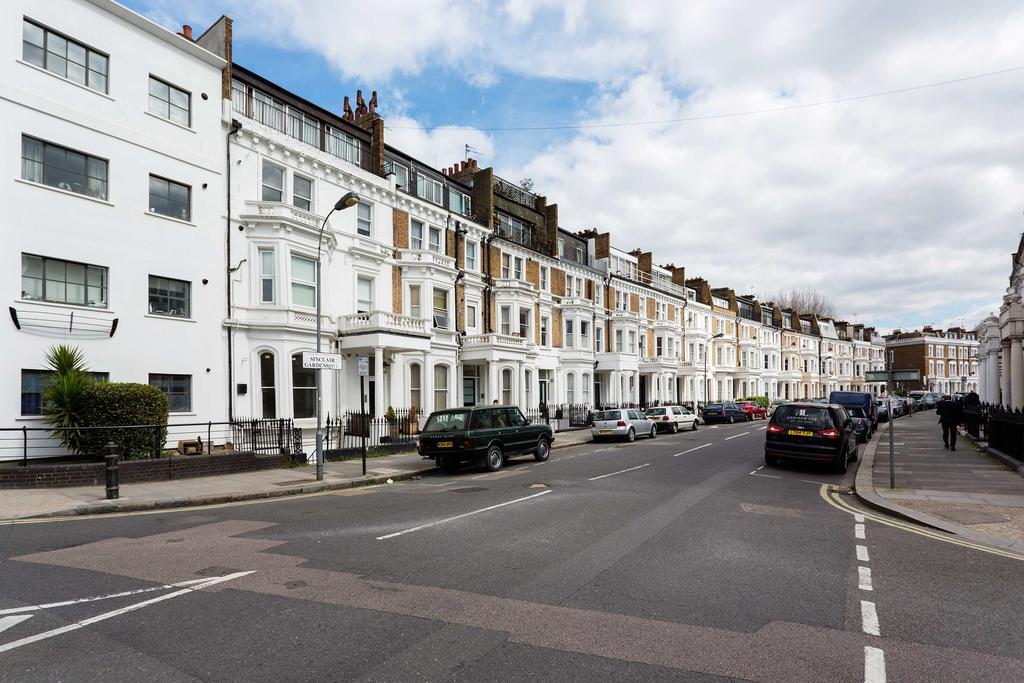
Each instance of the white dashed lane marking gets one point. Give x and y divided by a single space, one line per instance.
862 553
869 618
612 474
465 514
864 579
735 436
691 450
858 531
874 665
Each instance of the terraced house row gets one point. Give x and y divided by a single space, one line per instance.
459 286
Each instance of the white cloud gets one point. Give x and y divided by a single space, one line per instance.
897 206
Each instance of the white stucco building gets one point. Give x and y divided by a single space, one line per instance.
114 198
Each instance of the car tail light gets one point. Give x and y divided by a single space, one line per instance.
593 425
832 433
620 423
665 419
774 429
467 443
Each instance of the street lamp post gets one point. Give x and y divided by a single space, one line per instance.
707 351
349 200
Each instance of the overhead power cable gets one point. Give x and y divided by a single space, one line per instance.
461 128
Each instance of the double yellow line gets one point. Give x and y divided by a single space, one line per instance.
831 497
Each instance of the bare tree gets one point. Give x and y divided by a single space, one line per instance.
526 184
806 300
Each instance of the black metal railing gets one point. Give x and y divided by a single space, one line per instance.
1003 428
152 440
397 430
514 193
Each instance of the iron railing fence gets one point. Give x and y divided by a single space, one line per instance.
1003 429
344 434
152 441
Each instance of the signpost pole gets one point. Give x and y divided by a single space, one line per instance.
892 423
362 409
363 364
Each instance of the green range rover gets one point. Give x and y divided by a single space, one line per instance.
486 436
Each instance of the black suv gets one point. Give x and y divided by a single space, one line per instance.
811 432
486 436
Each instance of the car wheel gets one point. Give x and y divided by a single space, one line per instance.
844 463
732 419
674 428
494 459
543 451
654 431
631 435
694 427
750 417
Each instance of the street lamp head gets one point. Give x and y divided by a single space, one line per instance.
348 201
719 335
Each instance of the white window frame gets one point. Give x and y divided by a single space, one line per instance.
364 222
293 281
438 246
415 309
472 249
265 276
416 242
360 279
263 181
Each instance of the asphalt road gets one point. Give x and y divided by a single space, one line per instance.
675 558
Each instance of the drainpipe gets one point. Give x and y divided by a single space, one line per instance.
488 280
235 127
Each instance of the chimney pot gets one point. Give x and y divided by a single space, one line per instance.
187 30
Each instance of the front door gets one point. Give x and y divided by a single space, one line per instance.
469 391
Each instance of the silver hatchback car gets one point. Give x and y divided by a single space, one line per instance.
622 423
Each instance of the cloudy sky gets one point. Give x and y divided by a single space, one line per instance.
904 208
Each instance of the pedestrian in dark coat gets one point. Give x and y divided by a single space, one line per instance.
950 415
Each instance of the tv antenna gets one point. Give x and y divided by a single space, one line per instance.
471 149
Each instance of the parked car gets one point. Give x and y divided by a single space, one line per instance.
857 399
621 423
861 424
811 432
486 435
724 412
882 407
752 409
672 418
775 404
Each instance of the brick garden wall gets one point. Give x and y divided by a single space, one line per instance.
132 471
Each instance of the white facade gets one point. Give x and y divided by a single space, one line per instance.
1001 349
88 152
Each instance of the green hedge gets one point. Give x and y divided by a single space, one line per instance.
759 400
109 404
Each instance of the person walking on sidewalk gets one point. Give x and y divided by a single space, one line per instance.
950 415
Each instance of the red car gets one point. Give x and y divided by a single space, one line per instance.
755 411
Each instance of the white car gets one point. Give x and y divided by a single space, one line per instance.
673 418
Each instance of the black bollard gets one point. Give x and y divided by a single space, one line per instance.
113 487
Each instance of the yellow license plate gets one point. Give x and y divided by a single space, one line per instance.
445 444
799 432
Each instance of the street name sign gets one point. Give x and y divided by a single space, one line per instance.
321 361
363 362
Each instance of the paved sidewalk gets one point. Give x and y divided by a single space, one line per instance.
965 492
83 500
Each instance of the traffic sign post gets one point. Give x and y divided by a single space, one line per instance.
890 376
363 364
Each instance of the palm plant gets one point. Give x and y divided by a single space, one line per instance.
64 395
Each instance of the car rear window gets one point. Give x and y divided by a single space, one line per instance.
447 422
655 411
803 416
713 406
606 415
856 412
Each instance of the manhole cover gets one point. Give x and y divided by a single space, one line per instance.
295 584
468 489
